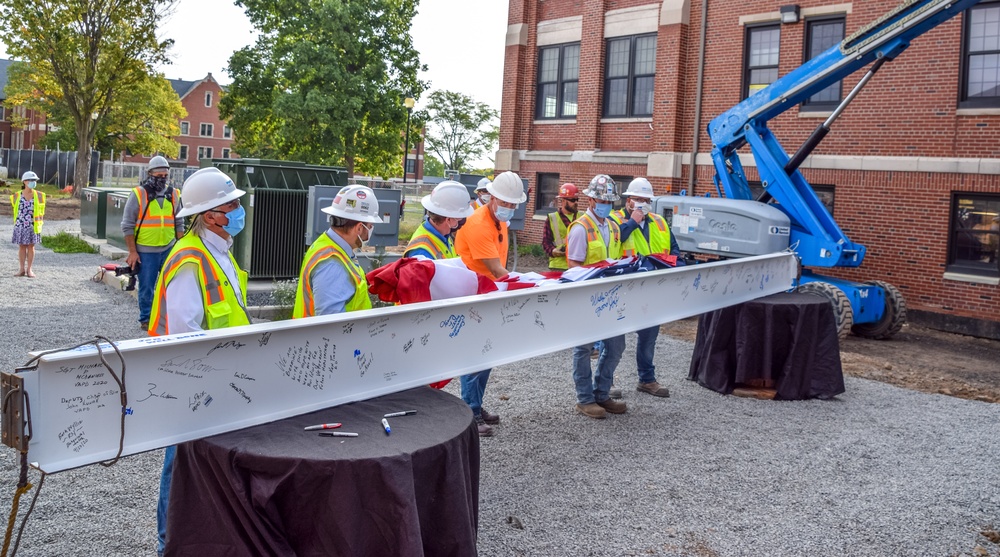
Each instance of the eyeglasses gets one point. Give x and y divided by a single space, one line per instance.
228 207
572 199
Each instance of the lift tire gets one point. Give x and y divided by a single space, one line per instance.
841 304
892 318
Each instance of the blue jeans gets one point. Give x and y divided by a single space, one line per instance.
644 354
149 270
473 387
592 387
161 504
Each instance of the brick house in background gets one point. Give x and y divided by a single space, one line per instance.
203 134
912 169
22 137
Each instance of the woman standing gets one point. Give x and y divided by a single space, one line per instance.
29 208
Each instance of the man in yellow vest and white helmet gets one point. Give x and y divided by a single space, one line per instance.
150 227
482 193
331 280
446 206
644 233
200 286
592 238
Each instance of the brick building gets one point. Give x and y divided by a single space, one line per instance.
912 169
36 124
203 134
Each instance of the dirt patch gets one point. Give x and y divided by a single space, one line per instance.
55 209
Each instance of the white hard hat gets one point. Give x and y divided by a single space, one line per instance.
448 199
29 175
157 162
355 203
640 187
508 187
483 183
207 189
602 187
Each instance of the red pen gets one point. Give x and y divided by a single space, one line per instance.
322 426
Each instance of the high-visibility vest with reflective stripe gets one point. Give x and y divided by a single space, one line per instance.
476 203
37 210
559 233
597 250
155 224
324 248
224 307
659 238
619 216
425 238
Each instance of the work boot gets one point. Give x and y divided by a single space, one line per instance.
484 429
615 393
594 354
491 419
613 406
592 410
654 389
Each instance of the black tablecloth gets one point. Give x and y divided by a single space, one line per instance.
275 489
788 339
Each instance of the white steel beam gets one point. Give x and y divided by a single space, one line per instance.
189 386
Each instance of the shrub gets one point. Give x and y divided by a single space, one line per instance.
64 242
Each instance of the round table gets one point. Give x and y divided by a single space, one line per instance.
787 340
275 489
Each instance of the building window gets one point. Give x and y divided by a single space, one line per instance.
975 234
2 137
3 113
760 66
821 34
227 132
558 74
208 98
207 130
225 153
629 72
411 166
183 155
825 193
185 128
548 189
981 57
204 153
622 182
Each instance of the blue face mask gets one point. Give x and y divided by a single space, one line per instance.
32 184
504 214
237 220
602 210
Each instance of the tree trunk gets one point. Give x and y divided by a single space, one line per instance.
81 174
349 156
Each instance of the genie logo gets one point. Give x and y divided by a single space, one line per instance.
727 227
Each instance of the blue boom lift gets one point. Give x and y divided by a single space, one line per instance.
873 309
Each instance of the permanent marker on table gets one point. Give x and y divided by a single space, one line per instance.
385 424
322 426
339 434
398 414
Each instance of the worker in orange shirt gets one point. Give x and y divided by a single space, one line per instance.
482 245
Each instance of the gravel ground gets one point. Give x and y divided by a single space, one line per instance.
878 471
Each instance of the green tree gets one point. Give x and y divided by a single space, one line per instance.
433 165
460 129
141 121
84 54
325 82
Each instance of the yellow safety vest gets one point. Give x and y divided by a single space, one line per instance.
427 239
323 248
476 203
223 306
619 216
559 234
597 250
155 224
37 211
659 238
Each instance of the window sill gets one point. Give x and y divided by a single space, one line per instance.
977 112
626 120
554 121
541 217
977 279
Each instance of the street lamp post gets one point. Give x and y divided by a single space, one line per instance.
408 102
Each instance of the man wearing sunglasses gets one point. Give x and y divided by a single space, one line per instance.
331 280
554 236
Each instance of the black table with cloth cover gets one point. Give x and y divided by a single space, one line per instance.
277 490
788 339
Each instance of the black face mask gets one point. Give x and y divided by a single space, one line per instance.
156 183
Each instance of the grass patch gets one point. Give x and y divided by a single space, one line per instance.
530 249
66 243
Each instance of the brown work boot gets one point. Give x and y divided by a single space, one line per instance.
491 419
592 410
484 429
654 389
613 406
615 393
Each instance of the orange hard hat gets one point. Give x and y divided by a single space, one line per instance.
568 191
